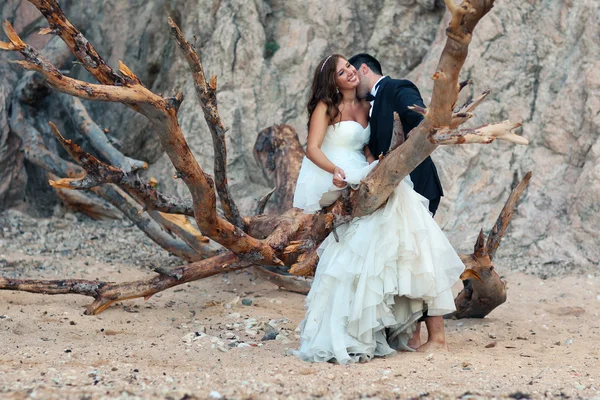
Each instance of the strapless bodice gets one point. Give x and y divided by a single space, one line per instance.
348 135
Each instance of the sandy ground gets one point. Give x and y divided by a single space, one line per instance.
199 340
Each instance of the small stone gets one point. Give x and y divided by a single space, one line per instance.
233 302
568 342
270 336
192 336
251 322
241 345
429 357
72 323
270 333
490 345
492 335
215 395
289 352
221 348
247 302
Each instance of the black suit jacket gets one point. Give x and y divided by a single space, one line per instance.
396 95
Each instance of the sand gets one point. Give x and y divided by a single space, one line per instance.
200 340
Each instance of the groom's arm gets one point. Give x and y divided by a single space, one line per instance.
407 94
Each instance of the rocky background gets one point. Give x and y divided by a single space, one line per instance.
540 58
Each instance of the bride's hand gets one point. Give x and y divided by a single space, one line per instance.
339 177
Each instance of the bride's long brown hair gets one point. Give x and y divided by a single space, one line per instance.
324 89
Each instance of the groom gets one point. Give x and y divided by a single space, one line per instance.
396 95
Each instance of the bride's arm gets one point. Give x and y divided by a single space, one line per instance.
316 135
368 154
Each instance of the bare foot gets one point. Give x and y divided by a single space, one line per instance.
414 343
434 346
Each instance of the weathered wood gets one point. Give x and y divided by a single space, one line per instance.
279 153
484 290
96 136
501 225
291 237
484 134
207 96
162 112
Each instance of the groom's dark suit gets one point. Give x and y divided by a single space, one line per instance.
396 95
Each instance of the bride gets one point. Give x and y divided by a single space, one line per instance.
387 268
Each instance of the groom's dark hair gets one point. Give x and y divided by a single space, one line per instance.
364 58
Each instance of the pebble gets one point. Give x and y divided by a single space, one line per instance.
251 322
289 352
230 336
270 336
215 395
568 342
192 336
492 335
247 302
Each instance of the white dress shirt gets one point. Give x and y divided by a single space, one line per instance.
374 93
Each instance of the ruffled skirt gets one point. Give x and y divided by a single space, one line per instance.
386 269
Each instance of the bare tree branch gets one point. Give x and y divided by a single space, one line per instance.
501 225
87 203
99 173
97 138
163 114
290 283
484 134
207 96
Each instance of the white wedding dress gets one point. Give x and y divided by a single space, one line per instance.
386 269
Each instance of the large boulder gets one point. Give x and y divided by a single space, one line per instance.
539 58
12 171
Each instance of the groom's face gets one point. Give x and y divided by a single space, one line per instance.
363 86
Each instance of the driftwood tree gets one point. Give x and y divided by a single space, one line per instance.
288 239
